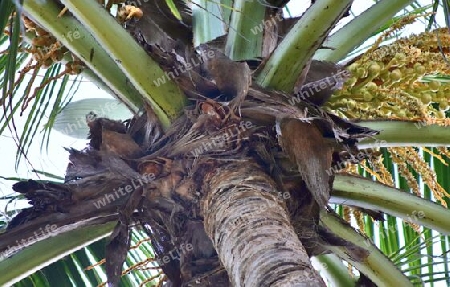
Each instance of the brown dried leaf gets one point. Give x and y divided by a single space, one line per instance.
159 26
121 144
232 78
146 129
305 145
314 73
116 252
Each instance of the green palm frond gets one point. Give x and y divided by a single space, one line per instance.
63 98
85 267
6 9
414 250
41 104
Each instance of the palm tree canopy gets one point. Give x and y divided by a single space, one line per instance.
242 129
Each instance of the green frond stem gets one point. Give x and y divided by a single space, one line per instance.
6 8
246 31
166 99
79 41
286 63
226 7
377 267
173 8
11 61
359 30
89 74
396 133
207 21
365 193
49 250
333 269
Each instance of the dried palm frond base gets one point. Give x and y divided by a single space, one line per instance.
233 188
211 162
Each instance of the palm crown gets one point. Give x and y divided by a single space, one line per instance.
243 128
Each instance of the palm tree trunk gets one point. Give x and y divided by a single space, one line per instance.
251 231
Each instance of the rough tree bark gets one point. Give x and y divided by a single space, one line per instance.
251 230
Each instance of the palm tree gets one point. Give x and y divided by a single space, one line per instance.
241 136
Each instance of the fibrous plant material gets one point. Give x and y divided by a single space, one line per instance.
238 146
158 181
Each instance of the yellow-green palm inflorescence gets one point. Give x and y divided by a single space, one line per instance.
389 82
396 82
